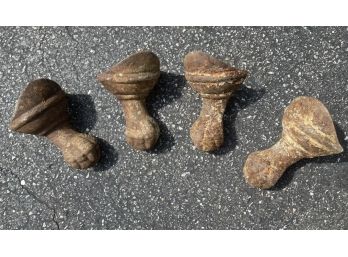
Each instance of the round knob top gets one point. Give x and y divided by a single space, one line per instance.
201 67
140 66
308 127
40 107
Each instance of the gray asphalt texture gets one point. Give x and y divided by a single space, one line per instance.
173 186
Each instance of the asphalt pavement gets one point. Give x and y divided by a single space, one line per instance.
174 186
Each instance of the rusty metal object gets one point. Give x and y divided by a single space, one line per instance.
131 80
216 82
42 110
308 132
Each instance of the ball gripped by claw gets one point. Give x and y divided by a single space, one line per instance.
216 82
131 80
42 109
308 132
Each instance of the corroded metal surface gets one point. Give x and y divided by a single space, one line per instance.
308 132
215 81
131 80
42 110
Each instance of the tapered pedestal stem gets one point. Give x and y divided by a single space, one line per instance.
207 132
142 130
263 169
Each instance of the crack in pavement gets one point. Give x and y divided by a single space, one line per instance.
35 197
